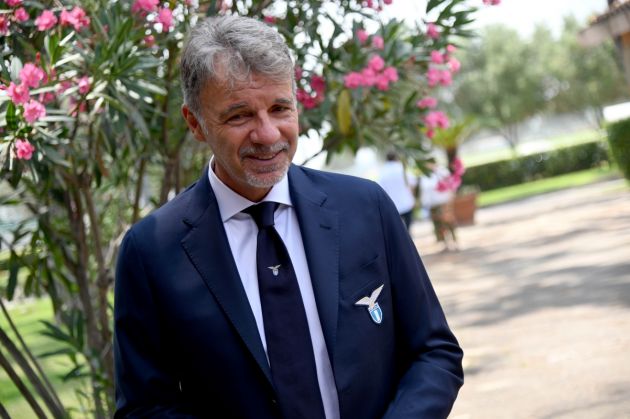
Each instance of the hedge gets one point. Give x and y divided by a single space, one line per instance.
619 141
536 166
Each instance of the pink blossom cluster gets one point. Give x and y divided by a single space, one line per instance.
19 15
23 149
313 99
377 41
375 74
442 67
452 182
31 76
376 5
47 20
492 2
75 18
433 120
163 15
432 31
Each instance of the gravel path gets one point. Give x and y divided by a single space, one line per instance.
539 297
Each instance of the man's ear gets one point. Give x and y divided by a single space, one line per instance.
193 124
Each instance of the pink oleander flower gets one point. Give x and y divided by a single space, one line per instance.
432 31
427 102
84 85
391 73
362 36
21 15
458 167
23 149
368 77
387 1
47 20
47 97
430 133
307 101
270 19
4 25
34 111
449 183
377 42
451 48
144 6
19 93
353 80
434 76
492 2
318 83
437 57
13 3
436 119
454 64
149 40
31 75
376 63
382 82
63 86
165 17
75 18
298 73
446 78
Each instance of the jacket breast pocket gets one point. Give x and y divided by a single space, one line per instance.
362 280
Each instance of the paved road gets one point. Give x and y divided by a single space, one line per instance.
539 297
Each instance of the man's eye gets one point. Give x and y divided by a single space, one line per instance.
236 118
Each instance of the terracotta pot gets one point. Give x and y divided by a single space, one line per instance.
464 207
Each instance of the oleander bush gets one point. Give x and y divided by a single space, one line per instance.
619 142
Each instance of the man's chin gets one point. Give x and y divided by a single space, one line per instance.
267 178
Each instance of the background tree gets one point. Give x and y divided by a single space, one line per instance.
591 77
501 84
509 79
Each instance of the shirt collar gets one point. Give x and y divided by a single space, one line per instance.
231 203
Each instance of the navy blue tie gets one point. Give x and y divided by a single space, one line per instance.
289 345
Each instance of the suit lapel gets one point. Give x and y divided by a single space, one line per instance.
319 228
208 249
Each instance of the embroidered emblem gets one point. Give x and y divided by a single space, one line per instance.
274 269
373 308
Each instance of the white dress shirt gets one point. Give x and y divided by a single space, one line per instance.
242 232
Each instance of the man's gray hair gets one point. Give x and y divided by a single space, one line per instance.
229 49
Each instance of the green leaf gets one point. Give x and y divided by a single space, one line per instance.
14 268
432 4
11 116
344 112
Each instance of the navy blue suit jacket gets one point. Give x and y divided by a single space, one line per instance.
186 342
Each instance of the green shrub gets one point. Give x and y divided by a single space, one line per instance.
537 166
619 140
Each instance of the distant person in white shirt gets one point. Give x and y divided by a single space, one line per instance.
399 185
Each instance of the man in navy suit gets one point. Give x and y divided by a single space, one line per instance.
190 328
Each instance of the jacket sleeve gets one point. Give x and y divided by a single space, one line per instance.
146 383
428 388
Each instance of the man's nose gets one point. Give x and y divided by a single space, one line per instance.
266 130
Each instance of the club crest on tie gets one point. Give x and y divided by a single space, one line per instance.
373 308
274 269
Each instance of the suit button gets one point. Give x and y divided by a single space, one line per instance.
273 401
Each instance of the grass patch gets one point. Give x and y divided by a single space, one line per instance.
525 190
27 316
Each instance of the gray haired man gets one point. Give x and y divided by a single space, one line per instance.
268 290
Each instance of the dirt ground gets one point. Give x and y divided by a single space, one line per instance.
539 297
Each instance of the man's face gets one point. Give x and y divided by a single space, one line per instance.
252 129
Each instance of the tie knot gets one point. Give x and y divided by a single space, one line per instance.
262 213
